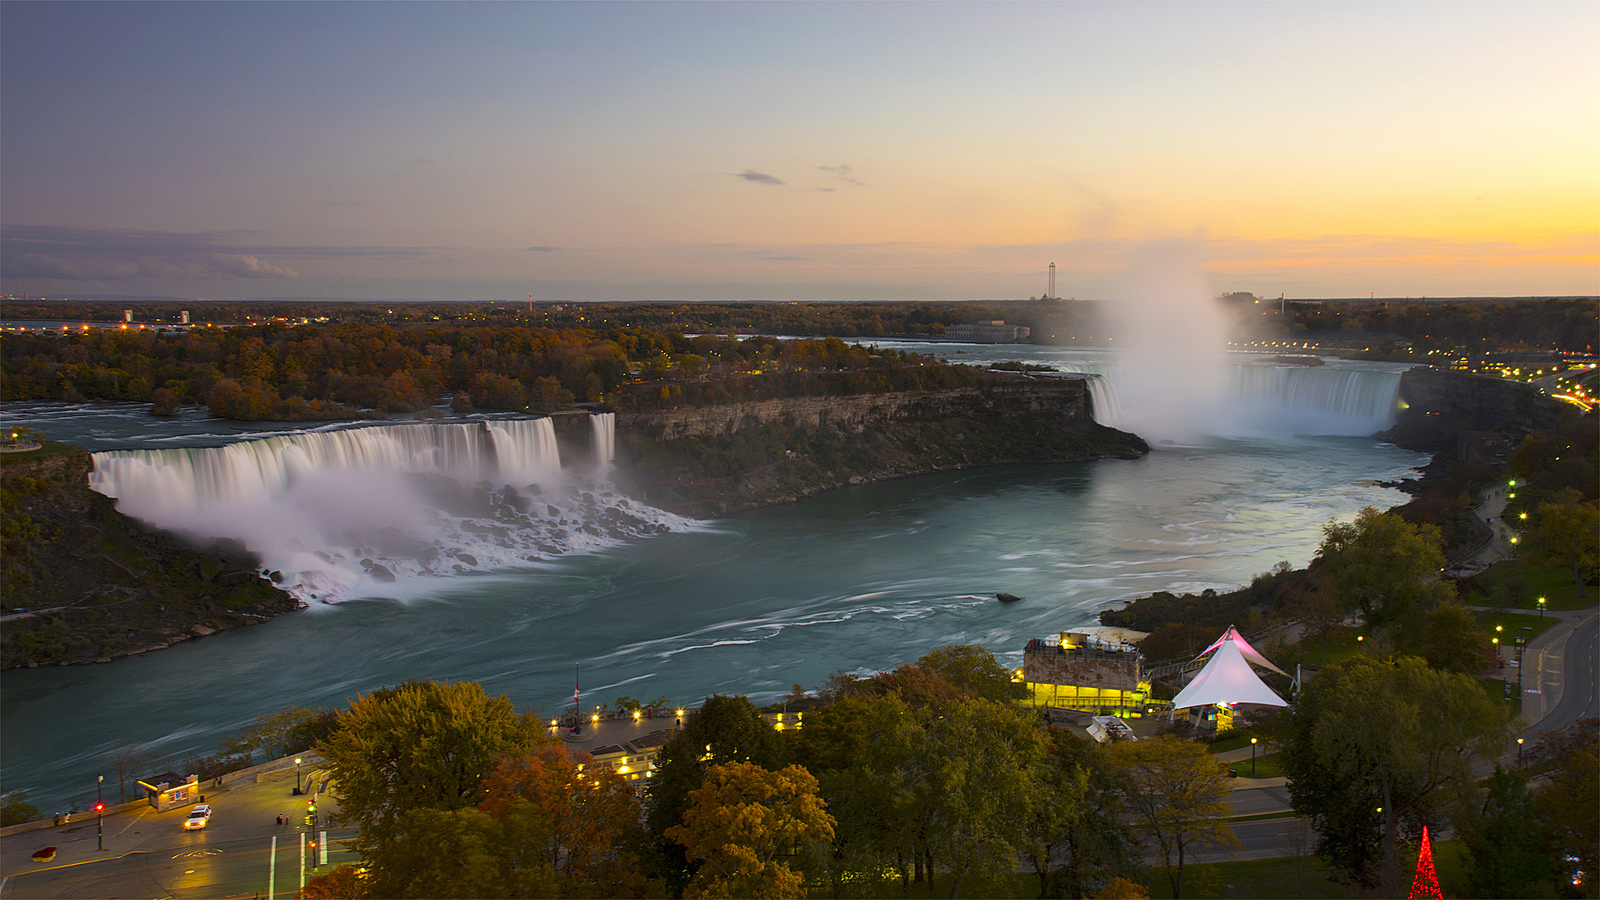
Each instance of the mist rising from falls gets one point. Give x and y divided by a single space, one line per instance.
1172 379
344 513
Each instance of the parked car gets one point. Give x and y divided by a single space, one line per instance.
198 817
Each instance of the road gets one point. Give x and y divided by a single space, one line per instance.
147 853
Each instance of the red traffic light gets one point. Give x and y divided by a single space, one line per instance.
99 807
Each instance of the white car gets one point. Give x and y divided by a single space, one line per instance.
198 817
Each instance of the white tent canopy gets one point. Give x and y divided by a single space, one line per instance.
1228 679
1232 634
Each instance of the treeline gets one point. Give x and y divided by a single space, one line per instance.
1566 324
321 372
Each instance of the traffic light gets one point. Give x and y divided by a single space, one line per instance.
99 808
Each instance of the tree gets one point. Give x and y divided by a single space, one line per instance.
857 748
724 730
343 883
1567 805
741 820
421 745
446 853
1057 808
1382 565
974 670
1448 637
287 731
1371 747
1176 791
15 809
977 765
1566 533
1502 837
564 817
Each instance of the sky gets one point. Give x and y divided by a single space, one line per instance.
795 151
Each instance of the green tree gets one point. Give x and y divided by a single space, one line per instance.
15 809
974 670
1176 792
742 822
857 748
446 853
1566 533
1448 637
977 765
1567 804
287 731
421 745
1371 747
1057 809
1383 566
1502 837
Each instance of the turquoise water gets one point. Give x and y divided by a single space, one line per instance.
860 579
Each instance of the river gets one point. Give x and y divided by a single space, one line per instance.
859 579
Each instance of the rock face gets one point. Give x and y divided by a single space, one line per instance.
1441 405
97 584
1490 402
717 459
1065 397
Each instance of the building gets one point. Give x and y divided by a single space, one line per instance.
634 759
992 332
170 790
1082 672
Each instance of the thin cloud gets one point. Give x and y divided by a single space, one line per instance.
543 249
93 254
757 177
843 174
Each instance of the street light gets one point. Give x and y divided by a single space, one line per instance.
99 813
297 776
1519 751
1252 757
1541 609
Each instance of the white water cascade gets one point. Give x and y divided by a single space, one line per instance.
1265 398
603 437
347 513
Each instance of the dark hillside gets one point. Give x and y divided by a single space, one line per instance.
97 584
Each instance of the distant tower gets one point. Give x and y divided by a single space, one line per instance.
127 315
1050 292
186 317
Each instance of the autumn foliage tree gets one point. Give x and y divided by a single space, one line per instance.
1177 793
743 823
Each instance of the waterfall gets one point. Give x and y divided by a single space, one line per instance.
266 467
1258 398
603 437
348 512
1314 400
1103 400
525 449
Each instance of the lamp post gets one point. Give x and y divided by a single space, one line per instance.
99 813
297 776
1519 751
1541 609
1252 757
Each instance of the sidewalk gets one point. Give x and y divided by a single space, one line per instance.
245 809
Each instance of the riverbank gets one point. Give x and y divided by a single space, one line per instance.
85 584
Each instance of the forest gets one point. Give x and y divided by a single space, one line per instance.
323 372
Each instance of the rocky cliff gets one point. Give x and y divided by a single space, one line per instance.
96 584
1440 405
713 460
